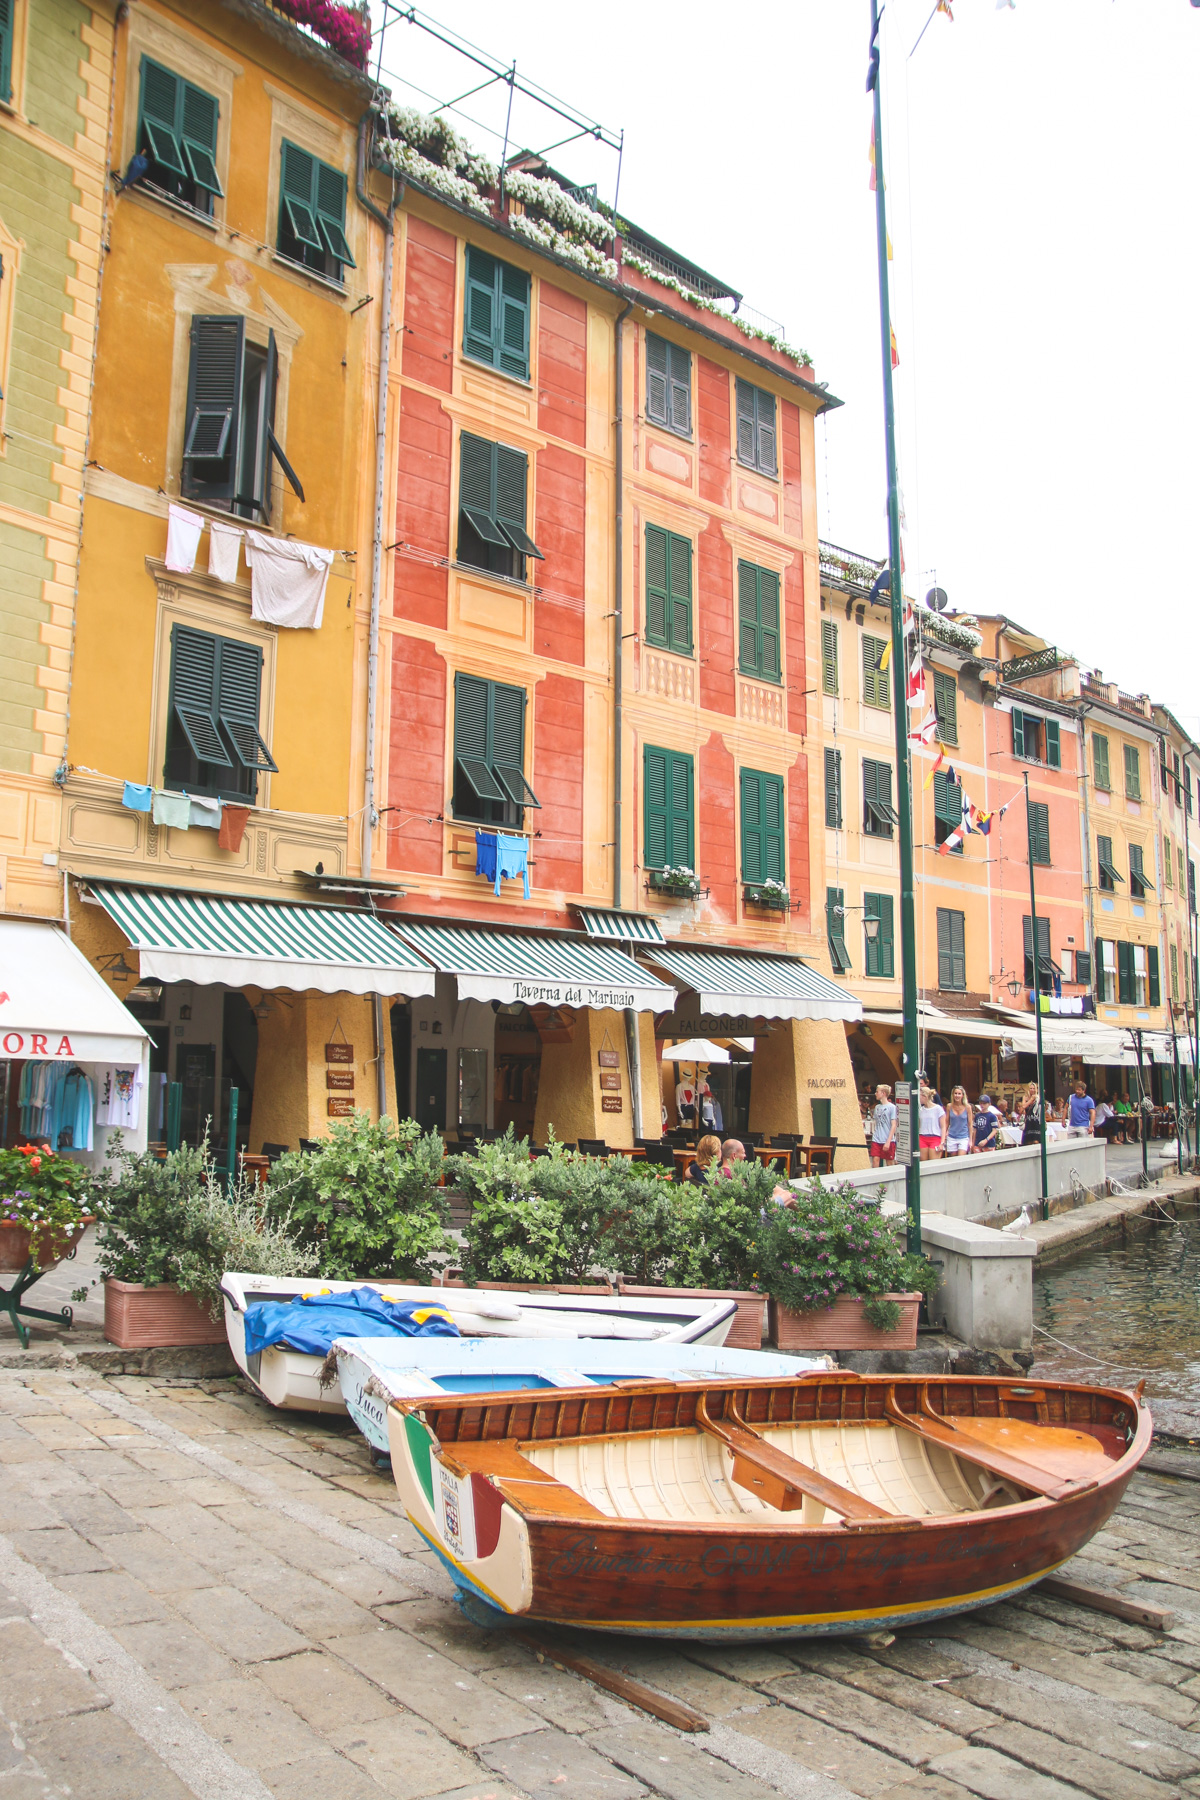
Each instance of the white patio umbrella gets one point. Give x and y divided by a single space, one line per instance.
696 1051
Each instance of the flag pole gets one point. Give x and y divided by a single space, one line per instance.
1037 998
910 1057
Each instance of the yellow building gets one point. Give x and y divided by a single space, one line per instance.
1178 760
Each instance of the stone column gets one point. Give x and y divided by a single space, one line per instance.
569 1092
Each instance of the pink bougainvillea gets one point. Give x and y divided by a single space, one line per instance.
343 28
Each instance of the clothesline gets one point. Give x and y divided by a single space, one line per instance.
287 578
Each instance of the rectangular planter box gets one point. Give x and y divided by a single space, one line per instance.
746 1331
842 1326
149 1318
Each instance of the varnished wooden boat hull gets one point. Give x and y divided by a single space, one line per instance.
474 1479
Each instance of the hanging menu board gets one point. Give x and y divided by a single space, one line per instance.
339 1053
338 1107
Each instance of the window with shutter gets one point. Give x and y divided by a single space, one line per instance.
312 213
1100 772
668 590
1133 773
1180 867
876 680
668 385
1027 735
879 817
177 132
214 702
833 790
1109 875
496 311
763 856
1053 744
1039 831
952 950
1139 883
756 429
829 656
945 706
1083 968
1138 953
1174 971
6 37
947 810
489 752
835 930
758 622
1153 977
1168 864
1125 975
668 809
880 956
492 483
229 441
1049 969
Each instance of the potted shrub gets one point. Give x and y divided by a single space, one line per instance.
44 1208
677 880
368 1202
838 1274
169 1230
534 1223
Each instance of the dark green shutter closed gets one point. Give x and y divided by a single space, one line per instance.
945 706
881 951
312 200
657 598
876 680
668 384
479 307
1100 763
1039 831
1133 772
1153 982
829 656
680 569
496 313
1126 981
758 621
1053 744
6 33
947 800
952 955
747 617
745 423
470 718
833 790
668 808
762 826
668 590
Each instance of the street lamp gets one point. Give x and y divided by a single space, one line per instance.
1015 986
871 921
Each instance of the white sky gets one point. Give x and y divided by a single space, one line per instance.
1041 196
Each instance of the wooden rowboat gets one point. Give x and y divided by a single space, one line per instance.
735 1511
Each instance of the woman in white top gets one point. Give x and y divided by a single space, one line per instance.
959 1133
931 1125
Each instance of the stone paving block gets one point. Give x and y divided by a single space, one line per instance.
1130 1637
996 1777
36 1682
928 1787
1050 1756
827 1752
155 1561
232 1621
107 1761
563 1699
21 1450
405 1755
485 1787
1090 1672
917 1656
1035 1625
442 1627
59 1551
326 1694
173 1653
439 1690
1090 1726
875 1721
663 1667
94 1515
548 1765
112 1598
740 1662
26 1511
324 1777
940 1705
130 1489
303 1602
675 1767
254 1727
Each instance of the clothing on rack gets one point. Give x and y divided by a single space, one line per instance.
287 581
224 547
55 1102
233 827
485 855
172 809
137 798
118 1090
183 539
204 812
512 861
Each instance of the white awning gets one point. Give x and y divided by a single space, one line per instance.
54 1004
768 987
537 969
932 1018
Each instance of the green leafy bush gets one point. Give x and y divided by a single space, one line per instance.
173 1221
835 1241
722 1227
49 1195
367 1202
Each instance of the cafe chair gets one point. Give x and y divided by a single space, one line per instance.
819 1149
593 1147
752 1139
786 1140
659 1153
309 1144
273 1152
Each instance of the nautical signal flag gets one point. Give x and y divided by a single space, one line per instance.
943 6
895 352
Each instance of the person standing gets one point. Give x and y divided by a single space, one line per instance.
1030 1109
958 1132
1081 1113
987 1124
931 1125
883 1127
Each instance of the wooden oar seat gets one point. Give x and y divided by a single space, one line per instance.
531 1489
776 1478
1049 1460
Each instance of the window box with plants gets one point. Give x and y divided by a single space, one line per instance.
680 882
838 1274
772 895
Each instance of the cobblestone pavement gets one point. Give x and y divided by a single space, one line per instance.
201 1597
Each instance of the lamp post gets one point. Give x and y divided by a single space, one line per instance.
1037 996
910 1056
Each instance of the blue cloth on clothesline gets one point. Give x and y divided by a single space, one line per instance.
512 860
137 799
311 1324
485 854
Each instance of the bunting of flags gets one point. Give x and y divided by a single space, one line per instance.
974 818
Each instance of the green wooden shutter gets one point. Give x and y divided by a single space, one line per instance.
161 106
870 792
1154 987
881 954
1100 763
657 595
297 196
657 379
748 618
193 695
506 750
943 948
1039 831
679 570
952 952
479 305
745 423
833 789
1126 983
945 706
762 826
471 718
656 807
680 396
6 34
835 929
477 490
1018 730
682 850
1083 967
947 800
512 485
768 625
239 690
1133 772
829 656
198 133
764 407
876 682
1053 744
514 321
212 416
329 200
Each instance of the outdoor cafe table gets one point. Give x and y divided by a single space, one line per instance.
767 1156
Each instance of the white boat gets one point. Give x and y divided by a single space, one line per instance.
372 1372
292 1379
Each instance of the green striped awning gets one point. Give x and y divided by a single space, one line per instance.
540 971
771 987
620 927
208 938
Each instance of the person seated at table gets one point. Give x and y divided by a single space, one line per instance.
987 1124
958 1131
732 1151
931 1125
1129 1119
1105 1122
706 1161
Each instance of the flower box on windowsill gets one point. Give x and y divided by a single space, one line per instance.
767 894
679 884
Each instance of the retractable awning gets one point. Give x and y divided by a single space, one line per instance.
770 987
932 1018
620 927
54 1004
512 966
209 938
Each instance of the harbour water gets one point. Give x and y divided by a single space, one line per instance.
1128 1310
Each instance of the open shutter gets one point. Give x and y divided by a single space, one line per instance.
1100 763
1126 986
745 423
199 138
1053 744
748 617
833 790
512 481
829 656
514 321
656 798
471 745
194 694
477 488
1083 968
657 379
331 213
768 624
754 866
682 811
1018 728
680 397
870 795
6 33
835 929
658 602
764 406
508 743
479 307
1153 979
1102 965
214 398
297 194
162 105
239 690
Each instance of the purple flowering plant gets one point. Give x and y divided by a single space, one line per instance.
833 1240
47 1195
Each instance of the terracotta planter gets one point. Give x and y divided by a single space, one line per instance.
16 1242
746 1331
842 1326
151 1318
